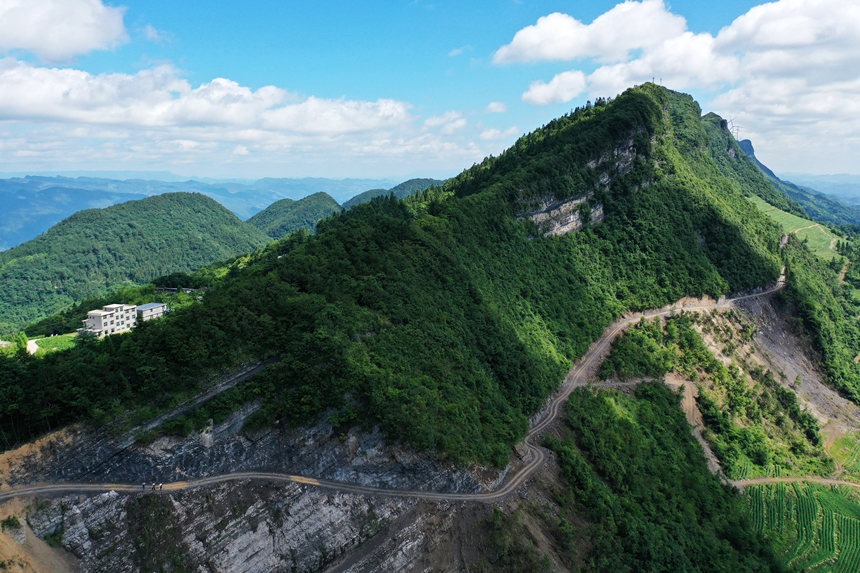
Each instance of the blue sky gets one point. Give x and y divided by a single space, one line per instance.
400 89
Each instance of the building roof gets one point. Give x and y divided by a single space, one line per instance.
150 305
100 312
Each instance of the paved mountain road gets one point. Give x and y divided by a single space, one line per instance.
535 455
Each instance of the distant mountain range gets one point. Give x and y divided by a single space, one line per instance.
812 202
845 187
32 204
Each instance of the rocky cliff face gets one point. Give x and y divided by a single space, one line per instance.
238 526
358 457
247 527
556 217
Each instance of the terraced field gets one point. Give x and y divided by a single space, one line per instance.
818 237
816 528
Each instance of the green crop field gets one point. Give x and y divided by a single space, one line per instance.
814 528
55 343
817 236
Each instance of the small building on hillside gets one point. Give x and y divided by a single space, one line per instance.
151 310
111 319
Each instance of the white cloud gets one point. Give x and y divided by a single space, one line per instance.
494 134
609 38
562 88
788 70
64 118
159 97
496 107
58 30
458 51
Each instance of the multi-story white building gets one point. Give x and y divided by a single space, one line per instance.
151 310
111 319
115 318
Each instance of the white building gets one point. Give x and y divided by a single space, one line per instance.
115 318
151 310
111 319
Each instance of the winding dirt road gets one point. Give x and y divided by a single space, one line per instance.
535 455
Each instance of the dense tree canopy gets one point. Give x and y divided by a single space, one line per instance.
446 318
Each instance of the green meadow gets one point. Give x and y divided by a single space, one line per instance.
819 239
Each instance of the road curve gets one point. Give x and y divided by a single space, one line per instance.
534 457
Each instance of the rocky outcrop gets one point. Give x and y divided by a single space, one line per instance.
358 457
556 217
247 527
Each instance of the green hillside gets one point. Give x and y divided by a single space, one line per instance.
449 317
97 251
285 216
400 191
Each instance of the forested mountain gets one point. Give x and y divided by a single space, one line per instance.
400 191
814 204
98 250
32 204
285 216
448 317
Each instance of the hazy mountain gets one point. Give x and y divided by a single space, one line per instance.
813 203
845 187
29 211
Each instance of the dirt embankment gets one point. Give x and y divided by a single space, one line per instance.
780 348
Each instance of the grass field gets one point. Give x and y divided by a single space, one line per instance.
55 343
817 236
813 528
846 451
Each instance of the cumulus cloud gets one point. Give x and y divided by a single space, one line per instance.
610 37
788 70
496 107
65 118
562 88
58 30
160 97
